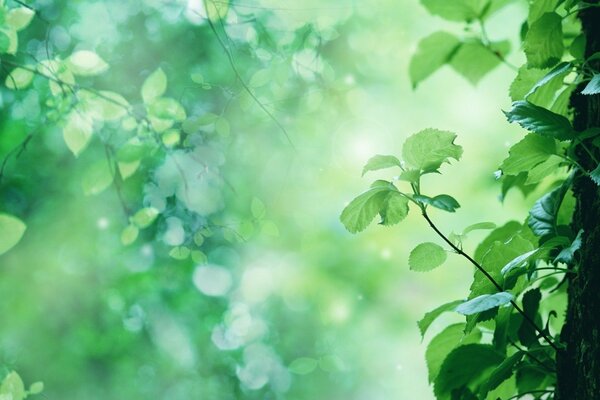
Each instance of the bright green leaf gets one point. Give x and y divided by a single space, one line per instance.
441 201
432 53
154 86
86 63
479 226
357 215
558 71
19 18
12 385
530 151
543 43
426 256
77 132
456 10
487 58
179 253
432 315
11 232
394 208
129 234
380 162
429 148
18 79
144 217
36 388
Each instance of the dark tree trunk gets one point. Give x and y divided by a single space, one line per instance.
578 366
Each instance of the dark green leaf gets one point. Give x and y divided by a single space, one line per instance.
593 86
432 315
540 120
432 53
566 255
483 303
442 201
501 373
543 214
380 162
543 43
429 148
426 256
465 364
531 303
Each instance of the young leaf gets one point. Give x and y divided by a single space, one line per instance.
543 43
432 315
129 234
540 120
442 201
432 53
77 132
303 365
501 373
457 10
380 162
394 208
426 256
12 387
18 79
483 303
19 18
144 217
464 364
36 388
357 215
86 63
593 86
11 232
429 148
487 58
154 86
443 343
479 226
543 214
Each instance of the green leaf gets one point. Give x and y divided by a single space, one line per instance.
261 78
77 132
531 303
11 232
216 10
442 201
501 373
4 42
487 59
543 43
593 86
257 208
426 256
104 105
519 261
456 10
19 18
18 79
394 208
530 151
167 108
357 215
537 8
432 315
12 385
540 120
411 175
129 234
432 53
479 226
558 71
303 365
567 254
483 303
527 78
443 343
501 234
36 388
97 178
543 214
154 86
380 162
86 63
144 217
179 252
544 170
465 364
429 148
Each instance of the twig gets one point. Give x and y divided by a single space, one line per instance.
17 151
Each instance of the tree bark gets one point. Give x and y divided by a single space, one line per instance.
578 366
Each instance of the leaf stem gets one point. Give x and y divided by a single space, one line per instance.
489 277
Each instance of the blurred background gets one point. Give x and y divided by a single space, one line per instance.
287 304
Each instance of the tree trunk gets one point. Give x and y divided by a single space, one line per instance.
578 366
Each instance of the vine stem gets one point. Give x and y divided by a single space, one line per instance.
489 277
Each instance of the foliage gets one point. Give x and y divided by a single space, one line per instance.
513 294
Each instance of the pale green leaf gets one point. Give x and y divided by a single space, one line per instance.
479 226
19 78
77 132
97 178
179 253
13 385
36 388
474 60
432 53
426 256
441 201
167 109
303 365
429 148
394 208
144 217
380 162
357 215
86 63
257 208
129 234
19 18
456 10
11 232
483 303
154 86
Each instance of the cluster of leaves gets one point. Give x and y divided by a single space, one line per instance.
514 294
12 388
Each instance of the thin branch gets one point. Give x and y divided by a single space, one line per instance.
17 151
490 278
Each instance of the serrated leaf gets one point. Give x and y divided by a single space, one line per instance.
442 201
558 71
543 43
487 59
530 151
77 132
540 120
380 162
479 226
145 217
357 215
86 63
465 364
527 78
593 86
19 18
443 343
303 365
154 86
432 53
456 10
432 315
394 208
483 303
543 214
11 232
429 148
501 373
18 79
426 256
